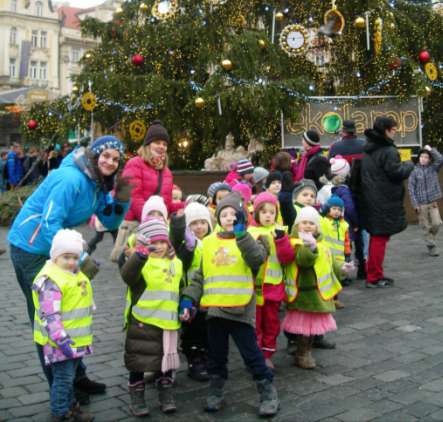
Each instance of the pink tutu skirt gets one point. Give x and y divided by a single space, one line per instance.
308 323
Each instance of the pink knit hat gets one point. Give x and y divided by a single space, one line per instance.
339 166
154 203
264 197
244 190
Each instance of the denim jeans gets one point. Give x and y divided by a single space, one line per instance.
62 388
27 266
219 330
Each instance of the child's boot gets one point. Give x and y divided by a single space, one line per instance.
215 398
165 387
79 416
138 406
269 402
303 357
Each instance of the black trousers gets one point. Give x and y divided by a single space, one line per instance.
194 338
219 330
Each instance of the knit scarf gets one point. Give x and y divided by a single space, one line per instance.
299 175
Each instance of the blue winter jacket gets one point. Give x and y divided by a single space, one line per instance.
15 168
66 198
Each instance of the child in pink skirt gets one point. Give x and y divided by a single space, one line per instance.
312 281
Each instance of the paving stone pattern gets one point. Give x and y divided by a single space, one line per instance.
388 364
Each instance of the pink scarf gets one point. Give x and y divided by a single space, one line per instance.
300 173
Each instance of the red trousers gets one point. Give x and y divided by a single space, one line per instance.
377 250
267 327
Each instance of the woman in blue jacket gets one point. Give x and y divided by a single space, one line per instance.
69 196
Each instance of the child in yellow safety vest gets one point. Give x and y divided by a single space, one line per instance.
63 301
335 231
188 229
269 280
153 275
216 192
312 281
225 286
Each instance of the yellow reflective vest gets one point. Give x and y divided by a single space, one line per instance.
76 305
227 279
158 304
270 271
328 285
334 233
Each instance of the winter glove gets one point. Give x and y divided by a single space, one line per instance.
123 189
190 239
348 267
279 234
187 310
89 266
170 252
309 241
65 346
239 224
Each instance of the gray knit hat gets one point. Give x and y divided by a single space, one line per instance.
260 174
233 200
303 184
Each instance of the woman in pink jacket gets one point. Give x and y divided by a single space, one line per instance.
149 174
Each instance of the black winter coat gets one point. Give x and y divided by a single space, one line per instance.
382 187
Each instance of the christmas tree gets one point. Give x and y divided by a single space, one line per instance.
210 67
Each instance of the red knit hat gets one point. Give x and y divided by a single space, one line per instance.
261 199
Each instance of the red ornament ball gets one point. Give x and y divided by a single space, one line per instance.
32 124
137 59
424 56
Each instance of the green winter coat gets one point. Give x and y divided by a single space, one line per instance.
309 299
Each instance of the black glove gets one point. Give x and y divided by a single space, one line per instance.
123 189
279 234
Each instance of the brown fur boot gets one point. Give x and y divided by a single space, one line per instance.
303 356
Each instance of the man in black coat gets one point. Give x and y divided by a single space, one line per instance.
382 195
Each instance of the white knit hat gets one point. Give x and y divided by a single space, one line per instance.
339 166
154 203
66 241
195 211
308 214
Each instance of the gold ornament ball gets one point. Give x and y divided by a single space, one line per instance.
279 16
199 102
227 64
360 23
428 90
143 7
262 43
118 11
378 21
88 55
392 25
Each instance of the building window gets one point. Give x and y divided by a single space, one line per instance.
75 55
13 36
34 39
43 39
43 71
39 8
13 5
12 68
33 70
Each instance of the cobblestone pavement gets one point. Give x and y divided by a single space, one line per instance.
388 364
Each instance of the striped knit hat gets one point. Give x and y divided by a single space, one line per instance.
244 167
215 187
154 229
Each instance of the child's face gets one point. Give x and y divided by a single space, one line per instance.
220 195
267 215
424 159
335 212
306 197
200 228
176 195
227 218
161 247
68 262
307 227
275 187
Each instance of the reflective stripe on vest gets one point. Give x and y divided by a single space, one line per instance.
270 271
327 284
76 305
158 304
228 280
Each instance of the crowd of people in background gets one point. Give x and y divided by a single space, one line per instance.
19 167
202 268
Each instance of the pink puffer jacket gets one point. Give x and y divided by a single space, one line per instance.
144 178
